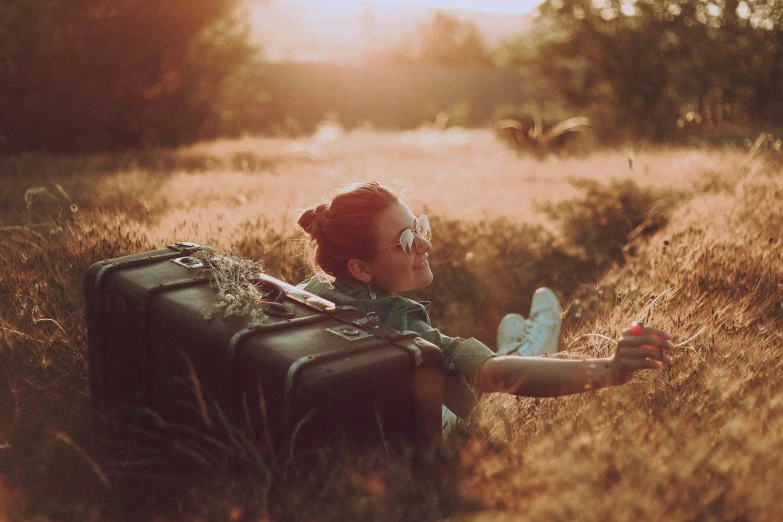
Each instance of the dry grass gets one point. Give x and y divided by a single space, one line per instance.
698 441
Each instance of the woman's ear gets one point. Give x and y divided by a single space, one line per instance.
360 270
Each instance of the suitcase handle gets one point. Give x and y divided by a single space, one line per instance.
278 309
274 295
272 292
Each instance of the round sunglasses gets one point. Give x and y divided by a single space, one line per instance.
408 238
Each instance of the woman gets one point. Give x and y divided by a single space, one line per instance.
374 248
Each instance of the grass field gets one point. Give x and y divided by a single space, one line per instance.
687 240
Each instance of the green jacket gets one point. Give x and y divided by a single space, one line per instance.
463 358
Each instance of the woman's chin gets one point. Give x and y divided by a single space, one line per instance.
426 276
421 277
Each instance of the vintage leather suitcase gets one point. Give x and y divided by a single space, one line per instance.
310 373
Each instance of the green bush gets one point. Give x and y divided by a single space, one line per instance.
602 222
487 269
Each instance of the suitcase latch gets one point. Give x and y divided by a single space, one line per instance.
184 245
349 332
188 262
371 320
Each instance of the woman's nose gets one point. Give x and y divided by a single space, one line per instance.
422 245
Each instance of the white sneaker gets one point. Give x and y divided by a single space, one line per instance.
544 323
542 329
511 333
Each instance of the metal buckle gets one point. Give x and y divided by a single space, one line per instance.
181 246
346 331
188 262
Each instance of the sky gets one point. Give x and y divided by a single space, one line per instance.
489 6
347 30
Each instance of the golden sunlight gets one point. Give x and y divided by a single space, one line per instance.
488 6
350 30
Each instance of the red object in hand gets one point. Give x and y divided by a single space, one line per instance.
636 329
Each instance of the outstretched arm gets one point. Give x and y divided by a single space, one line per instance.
543 377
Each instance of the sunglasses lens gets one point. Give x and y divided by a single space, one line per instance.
407 242
423 228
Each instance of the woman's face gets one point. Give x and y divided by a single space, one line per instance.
391 270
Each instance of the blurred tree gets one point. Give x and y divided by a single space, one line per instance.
446 41
81 75
661 69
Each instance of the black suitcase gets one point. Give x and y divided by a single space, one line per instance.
311 373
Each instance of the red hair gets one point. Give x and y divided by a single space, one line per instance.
345 228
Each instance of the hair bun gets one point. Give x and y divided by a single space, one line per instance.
309 219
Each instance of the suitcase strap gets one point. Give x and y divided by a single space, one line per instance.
356 325
313 360
349 316
179 250
372 325
141 308
165 287
241 336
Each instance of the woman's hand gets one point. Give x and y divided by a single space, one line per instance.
549 377
644 351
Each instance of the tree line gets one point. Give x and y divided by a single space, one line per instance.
81 75
87 75
664 70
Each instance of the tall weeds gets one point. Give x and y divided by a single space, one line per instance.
699 256
694 442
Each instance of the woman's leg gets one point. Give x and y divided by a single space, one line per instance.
537 335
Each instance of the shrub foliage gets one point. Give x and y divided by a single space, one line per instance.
101 74
662 70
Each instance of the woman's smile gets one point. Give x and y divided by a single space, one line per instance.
423 262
